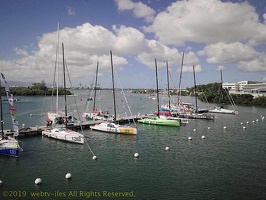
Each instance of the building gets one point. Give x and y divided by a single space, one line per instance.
254 88
248 87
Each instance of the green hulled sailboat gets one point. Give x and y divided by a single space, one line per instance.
157 119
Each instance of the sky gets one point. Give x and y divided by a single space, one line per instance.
213 35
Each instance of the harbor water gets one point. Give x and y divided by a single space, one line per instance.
229 163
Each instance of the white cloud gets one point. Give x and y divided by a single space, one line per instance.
197 68
139 9
258 64
221 68
70 11
222 53
21 51
207 21
86 44
155 49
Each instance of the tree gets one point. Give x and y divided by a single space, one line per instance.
39 86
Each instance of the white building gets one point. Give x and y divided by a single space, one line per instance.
256 89
230 86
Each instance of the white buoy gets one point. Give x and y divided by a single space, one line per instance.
224 127
94 158
253 121
257 120
262 118
241 123
136 155
68 176
38 181
209 127
247 122
190 138
166 148
1 182
244 127
194 130
203 137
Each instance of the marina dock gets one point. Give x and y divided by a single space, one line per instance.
26 131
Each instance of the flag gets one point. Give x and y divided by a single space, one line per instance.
11 107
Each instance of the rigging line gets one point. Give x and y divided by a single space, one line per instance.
43 102
231 99
125 97
205 98
78 112
86 107
178 96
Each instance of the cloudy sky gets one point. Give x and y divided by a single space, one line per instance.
228 35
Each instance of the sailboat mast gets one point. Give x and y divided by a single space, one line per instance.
157 88
112 67
195 90
1 115
181 69
64 83
168 87
57 69
221 89
94 98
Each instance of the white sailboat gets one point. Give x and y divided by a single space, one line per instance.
113 127
60 130
221 109
9 145
96 114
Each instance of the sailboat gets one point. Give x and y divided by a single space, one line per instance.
198 113
113 127
221 109
60 130
96 114
9 145
169 110
159 119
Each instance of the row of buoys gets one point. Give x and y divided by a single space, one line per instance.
202 137
38 181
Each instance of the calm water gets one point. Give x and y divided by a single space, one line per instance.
228 164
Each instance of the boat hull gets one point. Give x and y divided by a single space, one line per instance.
159 121
223 111
64 135
114 128
9 147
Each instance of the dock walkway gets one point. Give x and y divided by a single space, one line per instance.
76 126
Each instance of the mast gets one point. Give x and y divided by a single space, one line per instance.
181 69
168 88
57 69
221 89
95 86
157 88
195 90
112 67
1 115
64 84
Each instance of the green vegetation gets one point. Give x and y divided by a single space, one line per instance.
37 89
215 94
